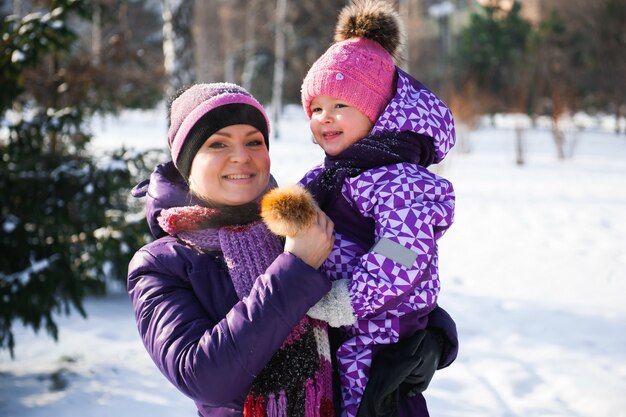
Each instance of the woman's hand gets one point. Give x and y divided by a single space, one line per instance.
313 245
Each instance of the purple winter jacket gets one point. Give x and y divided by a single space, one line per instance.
208 343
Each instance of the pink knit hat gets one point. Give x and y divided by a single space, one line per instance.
359 68
204 109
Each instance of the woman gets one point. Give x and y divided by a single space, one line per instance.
220 303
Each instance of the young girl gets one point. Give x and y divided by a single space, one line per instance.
219 301
380 129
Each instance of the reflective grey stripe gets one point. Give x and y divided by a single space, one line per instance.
395 251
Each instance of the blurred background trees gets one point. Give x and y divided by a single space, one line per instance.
69 228
536 57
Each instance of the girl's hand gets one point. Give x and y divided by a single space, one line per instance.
313 245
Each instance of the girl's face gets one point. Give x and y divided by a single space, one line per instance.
336 124
232 167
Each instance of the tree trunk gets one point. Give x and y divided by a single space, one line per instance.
230 26
17 9
279 65
229 68
404 9
178 44
463 140
619 113
96 34
520 158
122 18
559 138
206 28
250 46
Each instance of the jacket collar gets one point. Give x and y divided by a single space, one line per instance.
164 189
415 108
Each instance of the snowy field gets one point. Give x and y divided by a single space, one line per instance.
533 271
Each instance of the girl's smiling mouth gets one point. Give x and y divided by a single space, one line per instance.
331 135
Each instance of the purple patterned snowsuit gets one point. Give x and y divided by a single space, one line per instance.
410 206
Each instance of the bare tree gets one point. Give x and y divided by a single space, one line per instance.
17 9
207 38
230 28
556 74
404 10
467 104
249 62
96 33
493 51
279 64
178 44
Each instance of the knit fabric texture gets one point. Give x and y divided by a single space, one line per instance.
357 70
204 109
297 381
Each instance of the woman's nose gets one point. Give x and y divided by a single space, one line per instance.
240 154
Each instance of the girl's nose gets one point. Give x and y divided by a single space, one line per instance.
327 116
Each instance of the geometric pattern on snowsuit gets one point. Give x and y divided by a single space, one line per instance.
410 206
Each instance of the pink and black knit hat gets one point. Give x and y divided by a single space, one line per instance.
204 109
359 67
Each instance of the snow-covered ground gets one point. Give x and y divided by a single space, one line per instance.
533 272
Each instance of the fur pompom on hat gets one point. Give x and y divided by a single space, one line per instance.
203 109
360 66
288 209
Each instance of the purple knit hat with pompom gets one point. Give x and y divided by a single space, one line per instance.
203 109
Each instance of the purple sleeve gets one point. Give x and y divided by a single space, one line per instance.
212 359
411 208
440 320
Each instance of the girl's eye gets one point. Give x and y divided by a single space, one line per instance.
340 105
316 110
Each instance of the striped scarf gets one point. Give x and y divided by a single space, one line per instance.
297 380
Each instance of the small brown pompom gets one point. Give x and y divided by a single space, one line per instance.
372 19
287 210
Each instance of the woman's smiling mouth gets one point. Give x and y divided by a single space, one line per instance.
238 176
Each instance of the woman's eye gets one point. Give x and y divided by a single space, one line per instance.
217 145
256 142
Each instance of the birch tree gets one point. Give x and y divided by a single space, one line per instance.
96 34
279 65
249 63
207 36
178 44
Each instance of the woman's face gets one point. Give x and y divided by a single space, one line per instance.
232 167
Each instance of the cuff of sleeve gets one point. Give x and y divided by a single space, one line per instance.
440 321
